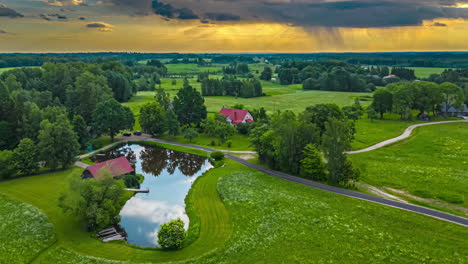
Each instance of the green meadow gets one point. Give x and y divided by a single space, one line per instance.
246 216
432 163
424 72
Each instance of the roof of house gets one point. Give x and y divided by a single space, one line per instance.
117 167
236 115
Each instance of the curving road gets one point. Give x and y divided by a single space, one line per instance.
405 135
362 196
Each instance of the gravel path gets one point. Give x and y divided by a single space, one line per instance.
405 135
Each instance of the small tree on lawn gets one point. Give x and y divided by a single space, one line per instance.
190 133
97 202
312 166
25 157
172 234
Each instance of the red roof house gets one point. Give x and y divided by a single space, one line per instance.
236 116
117 167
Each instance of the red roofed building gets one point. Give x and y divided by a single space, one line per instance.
236 116
117 167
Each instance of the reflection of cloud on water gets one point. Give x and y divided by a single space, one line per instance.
154 211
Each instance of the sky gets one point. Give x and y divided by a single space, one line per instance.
233 26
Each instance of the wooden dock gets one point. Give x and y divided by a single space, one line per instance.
110 234
138 190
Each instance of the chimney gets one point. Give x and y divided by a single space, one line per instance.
235 115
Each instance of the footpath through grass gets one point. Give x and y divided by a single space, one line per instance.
433 163
275 221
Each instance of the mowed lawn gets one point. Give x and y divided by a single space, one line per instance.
249 217
433 163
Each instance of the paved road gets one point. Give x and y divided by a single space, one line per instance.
405 135
375 199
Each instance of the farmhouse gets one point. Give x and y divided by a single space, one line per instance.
453 111
117 167
236 116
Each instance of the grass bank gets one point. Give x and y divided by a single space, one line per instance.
430 164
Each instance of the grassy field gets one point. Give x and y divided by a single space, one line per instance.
433 163
239 142
190 68
424 72
25 231
250 217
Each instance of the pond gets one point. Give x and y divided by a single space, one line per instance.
169 176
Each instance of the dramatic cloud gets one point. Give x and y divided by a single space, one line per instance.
66 2
100 25
2 31
438 24
8 12
222 16
306 13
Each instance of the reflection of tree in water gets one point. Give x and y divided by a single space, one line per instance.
153 160
124 151
156 159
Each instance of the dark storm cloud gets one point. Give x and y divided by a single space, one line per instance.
97 25
8 12
306 13
438 24
2 31
222 16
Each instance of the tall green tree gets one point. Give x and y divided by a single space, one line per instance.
120 84
110 117
153 119
58 143
81 130
403 101
163 98
172 124
312 166
319 114
383 101
266 74
7 165
25 157
453 96
189 105
31 121
427 96
89 90
96 202
335 141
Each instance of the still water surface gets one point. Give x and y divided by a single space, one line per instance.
168 175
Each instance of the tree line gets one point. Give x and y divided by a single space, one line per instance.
231 86
47 115
423 96
329 76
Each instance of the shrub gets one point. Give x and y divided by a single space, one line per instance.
172 234
217 155
213 143
229 143
131 181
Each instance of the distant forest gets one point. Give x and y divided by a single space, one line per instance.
400 59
